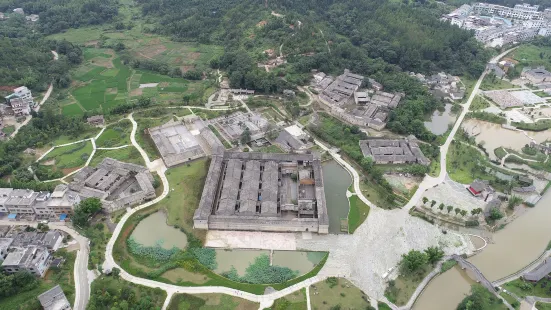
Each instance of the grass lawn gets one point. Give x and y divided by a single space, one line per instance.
128 154
543 306
62 276
512 301
70 156
8 130
400 290
89 133
293 301
143 139
334 292
531 55
479 103
464 164
115 135
524 288
358 213
210 302
107 292
383 306
490 84
186 185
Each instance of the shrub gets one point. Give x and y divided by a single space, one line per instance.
206 256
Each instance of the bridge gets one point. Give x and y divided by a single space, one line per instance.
480 278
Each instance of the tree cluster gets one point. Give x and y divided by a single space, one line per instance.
56 16
13 284
84 210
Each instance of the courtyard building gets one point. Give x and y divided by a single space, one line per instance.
394 151
117 184
263 192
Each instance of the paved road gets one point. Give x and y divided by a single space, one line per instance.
82 285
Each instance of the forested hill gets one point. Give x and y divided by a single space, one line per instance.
59 15
410 36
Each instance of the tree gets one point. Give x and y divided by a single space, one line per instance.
84 210
425 200
115 272
463 213
434 254
412 261
495 214
457 211
450 208
441 207
245 136
432 203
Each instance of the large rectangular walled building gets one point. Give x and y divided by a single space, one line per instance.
263 192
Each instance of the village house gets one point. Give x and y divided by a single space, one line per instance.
480 188
541 271
96 120
34 259
293 138
54 299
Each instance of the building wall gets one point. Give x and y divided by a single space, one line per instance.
284 226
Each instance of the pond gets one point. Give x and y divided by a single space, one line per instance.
336 181
239 259
302 262
153 230
440 121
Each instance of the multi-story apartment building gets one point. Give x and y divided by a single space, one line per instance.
42 204
519 11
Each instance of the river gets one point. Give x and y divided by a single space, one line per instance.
514 247
336 181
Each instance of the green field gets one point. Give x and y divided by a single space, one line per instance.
108 292
358 213
333 292
117 134
70 156
128 154
293 301
210 302
491 83
8 130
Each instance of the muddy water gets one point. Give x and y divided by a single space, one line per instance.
440 121
302 262
514 247
336 181
446 291
494 136
153 229
239 259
